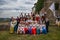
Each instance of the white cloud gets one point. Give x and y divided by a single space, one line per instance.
15 6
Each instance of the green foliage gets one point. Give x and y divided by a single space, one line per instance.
39 5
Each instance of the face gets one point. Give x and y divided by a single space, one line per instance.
12 19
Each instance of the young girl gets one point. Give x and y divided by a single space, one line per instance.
40 28
33 28
30 28
20 28
37 28
26 29
44 31
12 25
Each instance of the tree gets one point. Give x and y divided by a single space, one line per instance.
39 5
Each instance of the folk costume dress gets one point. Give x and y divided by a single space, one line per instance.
12 25
37 17
18 30
44 31
37 28
33 29
30 29
26 30
40 28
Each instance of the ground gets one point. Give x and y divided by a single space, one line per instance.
54 34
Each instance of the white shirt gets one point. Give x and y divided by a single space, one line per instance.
13 23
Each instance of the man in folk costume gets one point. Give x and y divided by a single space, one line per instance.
12 25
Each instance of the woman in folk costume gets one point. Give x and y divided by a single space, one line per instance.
37 17
12 25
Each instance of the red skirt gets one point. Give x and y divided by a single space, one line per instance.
26 30
34 30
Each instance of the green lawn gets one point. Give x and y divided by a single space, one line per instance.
54 34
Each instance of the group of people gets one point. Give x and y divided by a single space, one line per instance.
29 24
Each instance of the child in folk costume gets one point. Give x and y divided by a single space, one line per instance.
19 28
33 28
30 28
12 25
37 28
26 29
40 28
44 29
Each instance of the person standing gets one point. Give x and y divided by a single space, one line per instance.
16 26
12 25
47 24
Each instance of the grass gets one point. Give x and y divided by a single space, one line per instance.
54 34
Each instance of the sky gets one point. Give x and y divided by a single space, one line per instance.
9 8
